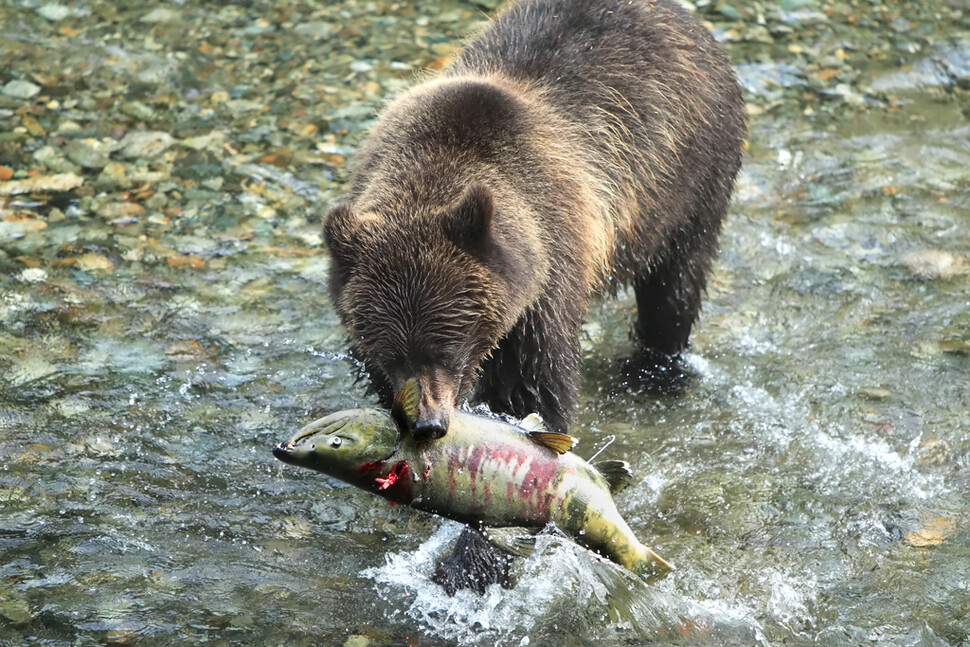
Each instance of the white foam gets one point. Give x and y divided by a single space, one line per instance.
562 586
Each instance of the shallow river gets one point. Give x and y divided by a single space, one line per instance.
164 322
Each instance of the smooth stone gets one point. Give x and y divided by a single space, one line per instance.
144 144
54 12
113 177
33 275
315 29
161 15
20 89
928 264
87 153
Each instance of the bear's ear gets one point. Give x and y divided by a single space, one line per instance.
469 223
342 228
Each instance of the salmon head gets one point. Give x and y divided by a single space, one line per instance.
347 445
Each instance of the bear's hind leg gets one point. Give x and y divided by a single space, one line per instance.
668 301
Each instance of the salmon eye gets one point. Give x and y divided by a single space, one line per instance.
335 442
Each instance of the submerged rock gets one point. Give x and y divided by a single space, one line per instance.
14 608
161 15
145 144
42 184
122 212
54 12
138 110
315 29
33 275
928 264
88 153
19 89
114 176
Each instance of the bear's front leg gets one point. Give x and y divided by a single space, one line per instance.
535 368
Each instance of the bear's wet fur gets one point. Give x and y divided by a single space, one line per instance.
473 564
572 147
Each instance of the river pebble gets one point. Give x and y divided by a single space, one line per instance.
161 15
20 89
145 144
928 264
88 153
54 12
315 29
42 183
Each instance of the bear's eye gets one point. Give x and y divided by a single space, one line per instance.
335 442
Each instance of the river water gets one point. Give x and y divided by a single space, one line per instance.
164 322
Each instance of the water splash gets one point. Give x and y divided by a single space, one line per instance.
562 590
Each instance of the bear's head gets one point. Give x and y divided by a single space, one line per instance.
429 295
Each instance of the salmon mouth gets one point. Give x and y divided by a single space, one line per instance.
284 452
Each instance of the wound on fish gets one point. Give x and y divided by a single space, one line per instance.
399 471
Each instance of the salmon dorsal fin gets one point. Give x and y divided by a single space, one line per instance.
405 407
616 473
536 428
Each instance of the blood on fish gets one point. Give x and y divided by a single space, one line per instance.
399 471
373 466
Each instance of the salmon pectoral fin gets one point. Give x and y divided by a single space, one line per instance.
513 540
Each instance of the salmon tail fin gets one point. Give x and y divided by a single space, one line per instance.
617 474
655 563
405 407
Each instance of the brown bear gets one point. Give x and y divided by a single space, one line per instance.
572 147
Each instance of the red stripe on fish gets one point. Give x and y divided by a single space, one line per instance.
540 474
487 494
474 465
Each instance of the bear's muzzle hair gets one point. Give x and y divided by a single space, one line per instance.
437 399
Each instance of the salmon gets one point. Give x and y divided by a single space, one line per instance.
486 472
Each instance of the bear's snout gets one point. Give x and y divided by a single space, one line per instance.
432 426
436 400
